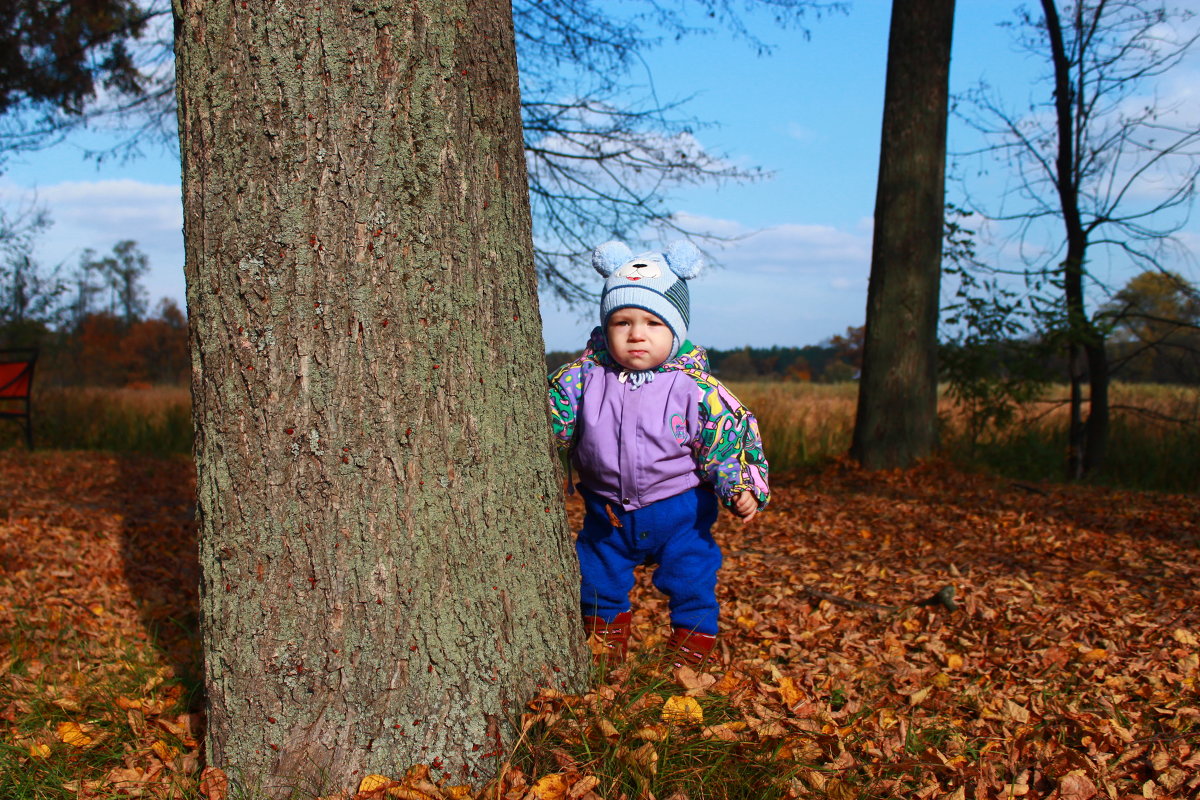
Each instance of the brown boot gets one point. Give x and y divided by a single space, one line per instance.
609 640
690 647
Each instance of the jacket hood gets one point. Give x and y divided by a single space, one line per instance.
690 356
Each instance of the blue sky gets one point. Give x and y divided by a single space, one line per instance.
810 113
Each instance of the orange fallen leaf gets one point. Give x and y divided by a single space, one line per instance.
372 782
550 787
164 751
73 734
790 692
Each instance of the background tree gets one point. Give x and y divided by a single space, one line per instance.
372 447
57 57
896 421
1101 168
602 157
1155 322
28 292
121 275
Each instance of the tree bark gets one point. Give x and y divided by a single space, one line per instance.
387 571
896 421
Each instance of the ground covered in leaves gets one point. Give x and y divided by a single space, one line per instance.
912 634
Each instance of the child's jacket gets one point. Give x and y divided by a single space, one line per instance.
637 446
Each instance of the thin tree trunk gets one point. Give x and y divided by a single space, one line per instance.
1086 440
1096 429
896 422
387 573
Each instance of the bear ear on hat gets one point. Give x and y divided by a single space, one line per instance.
608 257
685 259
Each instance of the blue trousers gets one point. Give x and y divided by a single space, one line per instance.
674 533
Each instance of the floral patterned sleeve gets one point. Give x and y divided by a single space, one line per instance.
729 447
566 386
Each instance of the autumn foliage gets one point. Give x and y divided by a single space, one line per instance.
1064 663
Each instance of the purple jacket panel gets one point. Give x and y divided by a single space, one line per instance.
636 447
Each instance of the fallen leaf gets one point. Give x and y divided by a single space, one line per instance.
550 787
372 782
1015 712
792 694
73 734
214 784
680 710
164 751
1076 786
583 787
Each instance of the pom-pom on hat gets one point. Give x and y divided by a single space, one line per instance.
655 282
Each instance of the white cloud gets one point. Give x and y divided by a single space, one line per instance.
98 214
801 133
792 284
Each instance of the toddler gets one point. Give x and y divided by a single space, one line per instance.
658 444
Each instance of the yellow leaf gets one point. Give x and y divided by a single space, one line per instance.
71 733
96 609
1098 654
164 751
747 622
39 751
954 661
681 710
1184 636
372 782
550 787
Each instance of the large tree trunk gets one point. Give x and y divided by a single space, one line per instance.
896 422
387 569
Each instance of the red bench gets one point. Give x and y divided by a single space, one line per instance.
16 381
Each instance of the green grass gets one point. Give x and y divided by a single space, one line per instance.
1156 448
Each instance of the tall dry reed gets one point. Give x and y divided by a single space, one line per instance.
155 420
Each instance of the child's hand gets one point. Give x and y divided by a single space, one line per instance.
745 505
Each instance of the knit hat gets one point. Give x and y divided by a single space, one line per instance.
651 281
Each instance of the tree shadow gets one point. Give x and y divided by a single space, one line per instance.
155 499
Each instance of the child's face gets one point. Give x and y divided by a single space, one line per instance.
637 339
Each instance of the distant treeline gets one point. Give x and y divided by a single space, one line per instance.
1169 354
104 349
835 360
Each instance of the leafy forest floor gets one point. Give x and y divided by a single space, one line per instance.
1069 669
